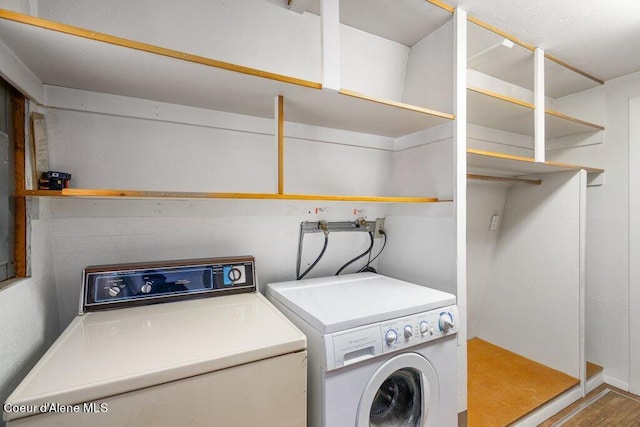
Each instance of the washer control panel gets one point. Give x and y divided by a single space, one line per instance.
113 286
358 344
418 328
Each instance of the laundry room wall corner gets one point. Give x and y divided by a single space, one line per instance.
28 309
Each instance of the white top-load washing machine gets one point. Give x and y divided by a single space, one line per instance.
382 352
217 354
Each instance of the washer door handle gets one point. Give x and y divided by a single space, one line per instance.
359 355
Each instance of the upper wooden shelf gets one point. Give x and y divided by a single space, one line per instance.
493 110
69 56
510 165
489 55
143 194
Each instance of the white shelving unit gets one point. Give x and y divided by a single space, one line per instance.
504 102
69 56
504 66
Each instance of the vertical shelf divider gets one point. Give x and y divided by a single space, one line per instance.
538 113
280 139
330 18
460 190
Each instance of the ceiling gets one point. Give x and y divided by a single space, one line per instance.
598 37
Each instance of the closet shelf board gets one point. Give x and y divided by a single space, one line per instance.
497 111
510 165
144 194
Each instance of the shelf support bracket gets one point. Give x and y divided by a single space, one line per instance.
299 6
539 118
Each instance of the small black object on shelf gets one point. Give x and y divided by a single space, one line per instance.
52 180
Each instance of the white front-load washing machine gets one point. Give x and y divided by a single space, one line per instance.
216 354
382 352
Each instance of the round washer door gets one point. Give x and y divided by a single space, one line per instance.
403 391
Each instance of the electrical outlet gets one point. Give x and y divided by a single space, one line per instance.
495 221
379 228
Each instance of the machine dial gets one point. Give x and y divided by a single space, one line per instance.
114 291
146 288
408 331
424 328
391 337
446 322
234 274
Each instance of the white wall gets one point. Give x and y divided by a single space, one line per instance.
371 64
421 238
89 232
22 6
532 303
483 201
109 151
608 227
424 170
634 245
105 150
429 80
421 245
28 308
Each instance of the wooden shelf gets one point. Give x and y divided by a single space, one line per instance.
510 166
73 57
558 124
143 194
515 65
493 110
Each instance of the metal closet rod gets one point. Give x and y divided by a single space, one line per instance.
504 179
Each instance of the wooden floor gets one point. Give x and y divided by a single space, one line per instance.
604 406
503 386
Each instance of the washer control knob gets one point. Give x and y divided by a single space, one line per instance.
424 327
446 322
146 288
391 337
408 331
114 291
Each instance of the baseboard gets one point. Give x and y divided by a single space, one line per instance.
462 419
594 382
622 385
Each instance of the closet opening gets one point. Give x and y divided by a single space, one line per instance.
525 282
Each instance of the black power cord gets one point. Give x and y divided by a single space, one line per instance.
367 268
368 251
